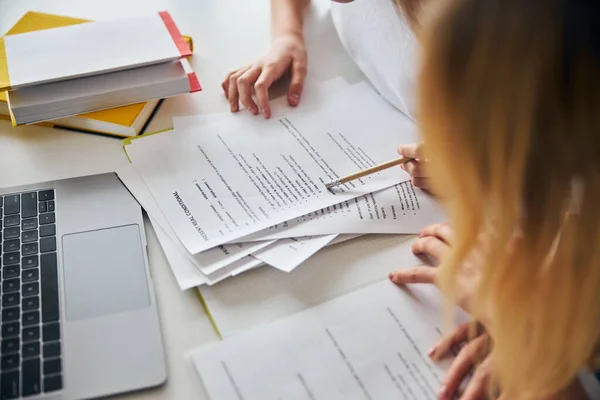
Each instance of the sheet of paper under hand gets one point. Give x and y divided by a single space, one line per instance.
250 174
369 344
210 266
400 209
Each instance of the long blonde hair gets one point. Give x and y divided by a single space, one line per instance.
510 115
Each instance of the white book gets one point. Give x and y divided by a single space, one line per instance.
93 48
77 96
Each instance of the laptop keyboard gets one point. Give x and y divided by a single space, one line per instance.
31 348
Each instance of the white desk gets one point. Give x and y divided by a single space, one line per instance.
227 34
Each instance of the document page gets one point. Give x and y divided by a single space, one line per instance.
287 254
402 208
369 344
211 264
227 180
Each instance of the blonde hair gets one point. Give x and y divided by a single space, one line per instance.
510 115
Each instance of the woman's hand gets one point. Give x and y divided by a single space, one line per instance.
471 345
416 168
434 243
287 53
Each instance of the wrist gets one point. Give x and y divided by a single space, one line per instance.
295 32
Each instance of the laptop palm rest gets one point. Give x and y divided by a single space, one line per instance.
104 272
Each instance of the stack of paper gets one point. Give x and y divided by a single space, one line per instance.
93 66
228 193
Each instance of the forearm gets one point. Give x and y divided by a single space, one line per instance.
287 16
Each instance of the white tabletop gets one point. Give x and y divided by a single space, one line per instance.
227 34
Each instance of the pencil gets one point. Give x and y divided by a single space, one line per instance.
368 171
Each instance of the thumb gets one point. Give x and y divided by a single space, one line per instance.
298 75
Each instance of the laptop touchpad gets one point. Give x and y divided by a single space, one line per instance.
104 272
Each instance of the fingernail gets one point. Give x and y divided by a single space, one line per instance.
421 234
264 113
294 98
431 351
253 110
390 276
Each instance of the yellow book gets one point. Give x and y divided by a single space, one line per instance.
124 121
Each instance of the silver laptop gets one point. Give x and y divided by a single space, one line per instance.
79 316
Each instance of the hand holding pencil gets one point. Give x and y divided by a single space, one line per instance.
409 161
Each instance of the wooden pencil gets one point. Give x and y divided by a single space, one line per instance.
368 171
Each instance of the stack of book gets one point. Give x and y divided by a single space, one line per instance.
106 77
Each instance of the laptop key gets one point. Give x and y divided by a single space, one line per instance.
51 349
10 329
29 224
31 289
10 299
31 333
31 349
10 271
10 384
12 204
32 377
29 236
49 280
11 258
52 366
47 218
11 285
12 233
31 318
52 383
51 332
30 303
10 362
10 314
30 275
51 206
29 262
46 195
11 245
10 345
47 244
47 230
29 204
12 220
29 248
43 207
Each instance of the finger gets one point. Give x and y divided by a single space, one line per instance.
479 384
225 83
461 366
298 75
463 333
410 150
414 275
441 231
416 169
430 246
270 74
244 85
232 92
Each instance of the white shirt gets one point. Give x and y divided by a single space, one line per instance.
377 36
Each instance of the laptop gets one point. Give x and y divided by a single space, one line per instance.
79 316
